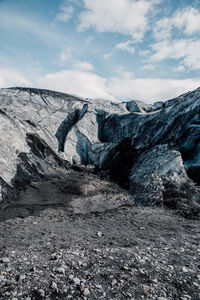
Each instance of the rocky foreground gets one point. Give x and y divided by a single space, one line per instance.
129 253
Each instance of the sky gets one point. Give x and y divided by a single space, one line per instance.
112 49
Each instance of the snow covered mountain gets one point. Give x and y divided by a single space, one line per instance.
151 150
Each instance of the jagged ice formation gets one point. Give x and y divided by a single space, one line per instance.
153 151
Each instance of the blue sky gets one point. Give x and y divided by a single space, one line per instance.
116 49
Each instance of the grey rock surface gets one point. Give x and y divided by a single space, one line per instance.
143 254
151 150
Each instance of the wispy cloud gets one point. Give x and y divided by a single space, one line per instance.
66 54
10 78
128 17
186 50
148 67
65 13
126 46
186 20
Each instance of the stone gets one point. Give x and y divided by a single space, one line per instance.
99 286
86 292
114 282
76 281
54 285
99 234
184 269
126 267
60 270
5 260
41 292
146 288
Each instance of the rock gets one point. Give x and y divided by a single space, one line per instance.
146 288
184 269
114 282
126 267
82 287
22 277
54 285
86 292
60 270
198 277
99 286
76 281
42 293
5 260
99 234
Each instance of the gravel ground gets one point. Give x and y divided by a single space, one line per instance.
126 253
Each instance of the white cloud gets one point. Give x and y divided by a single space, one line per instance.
180 68
188 50
148 67
150 89
144 52
120 87
122 72
186 20
126 46
107 55
10 78
83 65
66 12
66 54
77 82
162 30
128 17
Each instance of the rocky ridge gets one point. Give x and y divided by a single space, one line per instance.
150 150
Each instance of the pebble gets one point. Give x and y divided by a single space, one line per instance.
60 270
22 277
161 298
2 278
146 288
86 292
99 234
98 286
76 281
54 285
184 269
126 267
129 295
198 277
114 282
5 260
42 293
